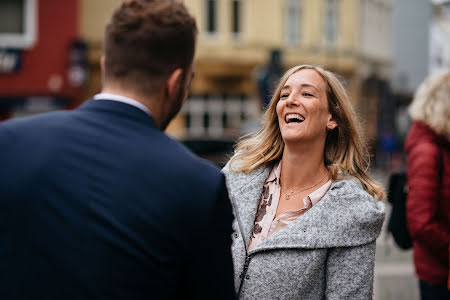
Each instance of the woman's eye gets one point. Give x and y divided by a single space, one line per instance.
307 95
284 96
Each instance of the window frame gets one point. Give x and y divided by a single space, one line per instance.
28 37
331 23
237 18
214 24
290 6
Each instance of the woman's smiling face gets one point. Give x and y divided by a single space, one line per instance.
302 109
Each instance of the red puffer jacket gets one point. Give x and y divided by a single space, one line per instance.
428 204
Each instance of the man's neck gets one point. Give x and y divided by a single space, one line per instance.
144 100
127 94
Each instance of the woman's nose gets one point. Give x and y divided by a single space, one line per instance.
291 101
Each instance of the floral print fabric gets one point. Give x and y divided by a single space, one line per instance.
265 222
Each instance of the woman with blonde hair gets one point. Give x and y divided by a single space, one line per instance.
428 179
306 218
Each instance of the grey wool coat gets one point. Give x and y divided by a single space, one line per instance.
327 253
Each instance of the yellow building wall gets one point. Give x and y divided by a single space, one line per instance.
263 30
311 23
349 25
225 64
94 16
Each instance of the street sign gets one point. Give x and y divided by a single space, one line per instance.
10 60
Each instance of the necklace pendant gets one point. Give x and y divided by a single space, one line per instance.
286 197
291 191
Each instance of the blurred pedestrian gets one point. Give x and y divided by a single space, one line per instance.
388 143
306 217
268 76
428 179
98 203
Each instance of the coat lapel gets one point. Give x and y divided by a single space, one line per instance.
345 216
245 192
304 232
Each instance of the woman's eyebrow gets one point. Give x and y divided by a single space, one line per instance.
286 87
309 85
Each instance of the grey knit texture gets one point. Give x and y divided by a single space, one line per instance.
327 253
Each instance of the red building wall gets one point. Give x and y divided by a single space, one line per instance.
43 70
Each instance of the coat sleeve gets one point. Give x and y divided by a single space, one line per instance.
350 272
423 199
212 266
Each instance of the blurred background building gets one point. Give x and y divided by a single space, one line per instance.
439 46
245 45
43 62
381 49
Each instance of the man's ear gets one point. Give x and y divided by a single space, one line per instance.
173 83
102 68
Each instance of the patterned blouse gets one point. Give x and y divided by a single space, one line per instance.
265 223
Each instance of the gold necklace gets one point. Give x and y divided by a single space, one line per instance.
292 193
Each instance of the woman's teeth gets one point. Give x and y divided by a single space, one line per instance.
294 118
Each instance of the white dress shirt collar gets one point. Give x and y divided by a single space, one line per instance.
119 98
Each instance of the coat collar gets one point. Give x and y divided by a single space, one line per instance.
245 192
119 109
422 132
346 216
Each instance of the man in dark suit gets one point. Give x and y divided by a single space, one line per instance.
98 203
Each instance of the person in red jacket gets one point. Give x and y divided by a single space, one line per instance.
428 176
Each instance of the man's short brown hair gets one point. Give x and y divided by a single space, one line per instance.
146 40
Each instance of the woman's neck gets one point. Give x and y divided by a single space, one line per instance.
300 169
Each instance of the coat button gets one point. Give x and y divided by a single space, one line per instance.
247 277
236 235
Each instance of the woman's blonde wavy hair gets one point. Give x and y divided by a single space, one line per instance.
431 103
345 151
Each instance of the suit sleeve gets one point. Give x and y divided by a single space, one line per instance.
423 198
350 272
213 265
7 162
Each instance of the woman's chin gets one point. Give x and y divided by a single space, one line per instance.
292 139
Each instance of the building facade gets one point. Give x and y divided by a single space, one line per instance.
410 44
243 48
439 47
42 60
238 40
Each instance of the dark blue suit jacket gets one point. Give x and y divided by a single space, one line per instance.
97 203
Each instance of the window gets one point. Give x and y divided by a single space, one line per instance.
292 21
236 13
211 16
17 23
331 21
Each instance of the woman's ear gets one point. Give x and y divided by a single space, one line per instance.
332 124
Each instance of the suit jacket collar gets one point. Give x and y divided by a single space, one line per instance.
120 98
118 109
346 216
